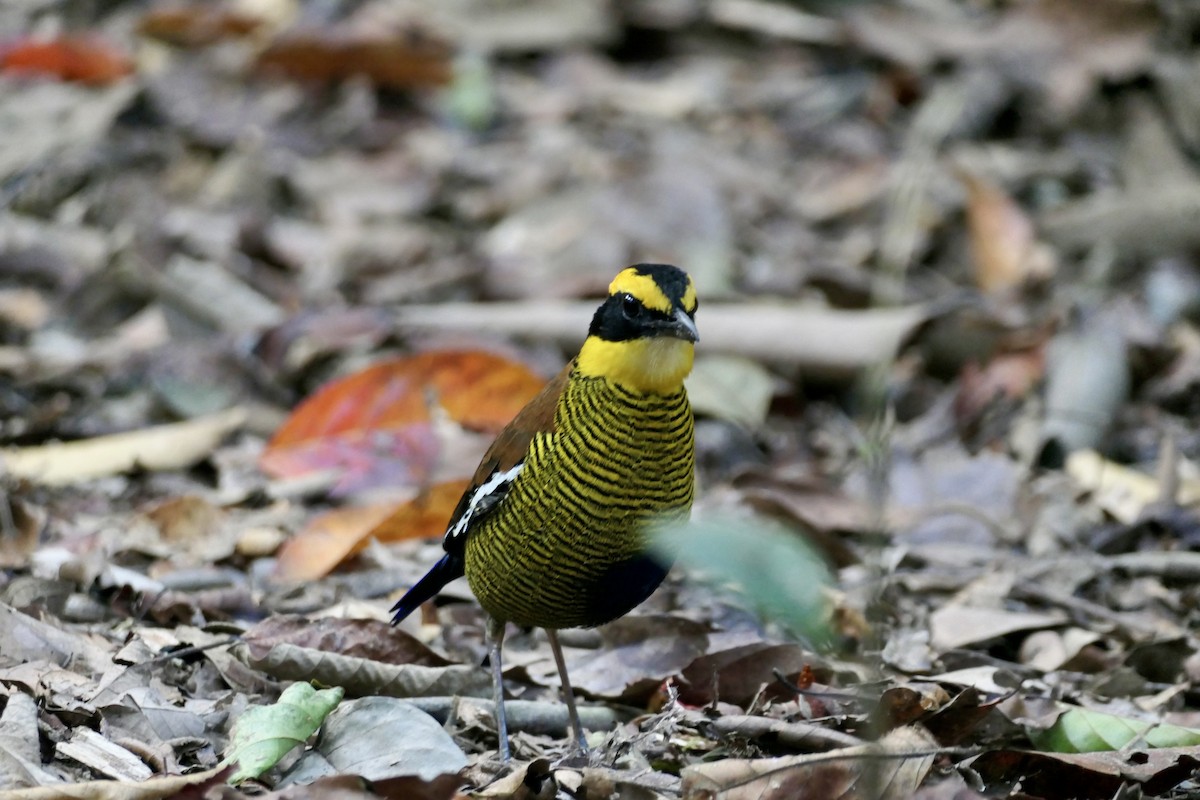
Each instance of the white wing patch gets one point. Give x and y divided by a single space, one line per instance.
486 496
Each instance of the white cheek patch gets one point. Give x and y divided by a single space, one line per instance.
489 493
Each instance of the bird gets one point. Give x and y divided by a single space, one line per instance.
554 529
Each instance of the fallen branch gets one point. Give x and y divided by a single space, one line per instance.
819 339
528 716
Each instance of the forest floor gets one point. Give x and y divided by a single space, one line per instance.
946 392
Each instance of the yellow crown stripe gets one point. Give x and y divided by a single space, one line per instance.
643 287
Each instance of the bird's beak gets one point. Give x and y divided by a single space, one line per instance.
681 326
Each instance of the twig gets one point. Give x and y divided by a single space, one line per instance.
529 716
910 183
806 736
776 19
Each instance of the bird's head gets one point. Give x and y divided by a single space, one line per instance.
643 335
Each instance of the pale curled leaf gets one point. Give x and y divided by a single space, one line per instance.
360 676
1124 491
955 626
734 389
163 447
20 756
265 734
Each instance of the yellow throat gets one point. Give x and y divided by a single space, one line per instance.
648 366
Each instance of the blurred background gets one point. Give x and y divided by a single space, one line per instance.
946 254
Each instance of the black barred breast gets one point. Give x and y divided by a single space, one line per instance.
566 548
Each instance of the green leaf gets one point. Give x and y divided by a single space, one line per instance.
265 734
770 564
1079 730
470 100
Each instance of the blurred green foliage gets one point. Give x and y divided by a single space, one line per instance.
772 566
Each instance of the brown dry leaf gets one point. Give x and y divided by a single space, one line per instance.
328 540
520 784
361 638
1068 47
195 784
951 723
834 190
1005 379
354 787
195 24
390 59
1062 47
905 705
164 447
639 651
871 772
821 513
21 526
738 674
364 676
193 526
304 337
1004 247
1090 775
25 639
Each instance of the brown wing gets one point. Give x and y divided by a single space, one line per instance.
503 461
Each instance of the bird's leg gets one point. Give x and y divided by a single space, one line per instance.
568 695
495 634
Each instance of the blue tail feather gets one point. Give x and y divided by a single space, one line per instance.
450 566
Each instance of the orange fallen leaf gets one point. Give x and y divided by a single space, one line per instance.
375 427
391 59
424 517
1004 247
331 538
326 541
82 59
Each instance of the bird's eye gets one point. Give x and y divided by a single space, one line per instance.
630 306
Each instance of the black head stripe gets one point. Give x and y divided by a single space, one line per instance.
672 280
